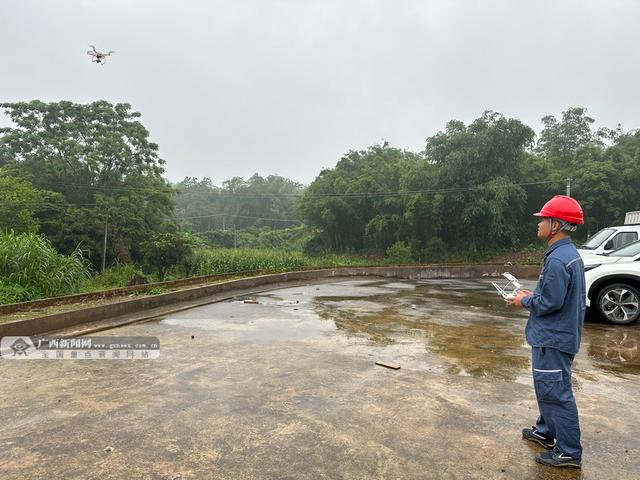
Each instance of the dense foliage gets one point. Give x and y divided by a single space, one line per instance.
238 203
74 172
31 268
88 167
474 187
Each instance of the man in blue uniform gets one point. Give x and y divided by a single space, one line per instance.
556 314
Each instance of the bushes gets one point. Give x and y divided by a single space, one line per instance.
285 238
168 249
31 268
435 250
113 277
399 253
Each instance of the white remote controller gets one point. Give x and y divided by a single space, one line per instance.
508 294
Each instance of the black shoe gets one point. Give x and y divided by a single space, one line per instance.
557 458
547 441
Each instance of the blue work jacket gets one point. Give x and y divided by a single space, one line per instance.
557 306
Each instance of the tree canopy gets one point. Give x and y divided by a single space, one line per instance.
99 159
474 187
69 171
255 202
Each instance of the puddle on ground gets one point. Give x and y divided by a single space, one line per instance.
273 318
457 326
614 348
476 346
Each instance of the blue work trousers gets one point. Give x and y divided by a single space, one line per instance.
557 405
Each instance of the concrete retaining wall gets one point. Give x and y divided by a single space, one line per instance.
114 292
67 319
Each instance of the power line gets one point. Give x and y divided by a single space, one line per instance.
123 188
418 192
291 195
38 206
203 216
239 216
310 195
371 194
53 205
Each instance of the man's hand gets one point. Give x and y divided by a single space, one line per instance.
517 300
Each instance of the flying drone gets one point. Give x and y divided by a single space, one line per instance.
98 56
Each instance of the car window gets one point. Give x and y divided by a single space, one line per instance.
624 238
596 240
630 250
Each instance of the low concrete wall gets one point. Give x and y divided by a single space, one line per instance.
58 321
114 292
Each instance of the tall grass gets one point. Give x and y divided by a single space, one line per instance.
213 261
226 260
30 267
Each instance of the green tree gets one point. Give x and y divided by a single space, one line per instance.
560 140
480 165
624 155
255 202
167 249
356 204
20 204
598 186
99 158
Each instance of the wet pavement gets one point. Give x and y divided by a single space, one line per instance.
288 389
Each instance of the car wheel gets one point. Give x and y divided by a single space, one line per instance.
619 303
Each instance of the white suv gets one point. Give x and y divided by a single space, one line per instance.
609 239
613 291
628 253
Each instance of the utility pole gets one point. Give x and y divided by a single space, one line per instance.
235 217
569 186
104 244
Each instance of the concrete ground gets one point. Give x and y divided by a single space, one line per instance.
288 389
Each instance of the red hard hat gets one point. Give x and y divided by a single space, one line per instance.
563 208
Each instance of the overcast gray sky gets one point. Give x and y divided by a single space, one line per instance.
234 87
